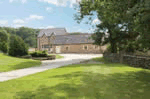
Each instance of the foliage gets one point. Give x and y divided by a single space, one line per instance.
17 47
8 63
4 41
124 24
29 35
39 54
4 47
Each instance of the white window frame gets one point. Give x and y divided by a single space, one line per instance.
84 47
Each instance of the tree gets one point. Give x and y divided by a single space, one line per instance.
17 47
28 35
3 41
118 26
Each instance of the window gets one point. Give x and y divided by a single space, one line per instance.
67 48
96 47
46 46
85 47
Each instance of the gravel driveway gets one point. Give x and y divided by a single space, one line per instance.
49 64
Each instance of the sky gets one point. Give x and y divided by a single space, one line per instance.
43 14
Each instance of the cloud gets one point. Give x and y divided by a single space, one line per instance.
18 25
11 1
3 22
18 21
23 1
60 2
35 17
96 21
46 27
49 9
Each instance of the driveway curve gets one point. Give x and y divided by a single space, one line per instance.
48 64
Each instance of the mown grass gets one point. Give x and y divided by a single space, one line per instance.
8 63
58 56
81 81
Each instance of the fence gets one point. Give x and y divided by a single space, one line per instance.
132 60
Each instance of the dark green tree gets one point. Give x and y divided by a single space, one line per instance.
17 47
4 41
120 19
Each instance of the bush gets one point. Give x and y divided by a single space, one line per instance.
39 54
3 41
17 47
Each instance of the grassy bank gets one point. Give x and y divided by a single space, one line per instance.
8 63
81 81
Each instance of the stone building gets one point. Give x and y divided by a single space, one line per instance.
57 40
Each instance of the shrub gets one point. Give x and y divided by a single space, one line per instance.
39 54
17 47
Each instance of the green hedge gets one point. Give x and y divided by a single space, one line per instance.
39 54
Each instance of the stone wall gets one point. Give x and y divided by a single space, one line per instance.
132 60
79 48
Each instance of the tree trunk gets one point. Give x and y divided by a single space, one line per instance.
113 47
113 44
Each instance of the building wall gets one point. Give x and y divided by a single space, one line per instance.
44 41
70 48
80 48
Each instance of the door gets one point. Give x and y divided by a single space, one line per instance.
58 49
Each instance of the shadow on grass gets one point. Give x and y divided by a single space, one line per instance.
129 85
26 65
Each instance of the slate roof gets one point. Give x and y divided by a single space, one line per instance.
73 39
48 32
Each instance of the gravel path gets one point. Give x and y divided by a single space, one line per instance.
46 65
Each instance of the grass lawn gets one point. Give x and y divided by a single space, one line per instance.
58 56
81 81
8 63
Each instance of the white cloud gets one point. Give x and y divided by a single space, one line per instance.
18 21
18 25
60 2
23 1
49 9
35 17
46 27
96 21
3 22
11 1
79 30
50 27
